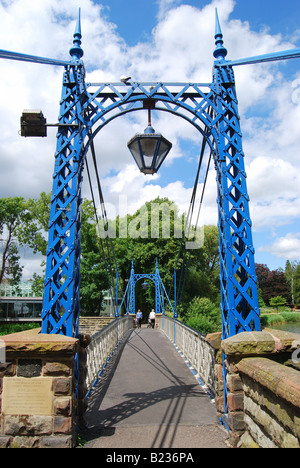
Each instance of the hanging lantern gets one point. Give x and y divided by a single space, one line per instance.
149 149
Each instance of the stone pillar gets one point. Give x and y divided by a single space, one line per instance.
268 353
37 391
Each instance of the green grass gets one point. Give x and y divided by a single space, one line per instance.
284 316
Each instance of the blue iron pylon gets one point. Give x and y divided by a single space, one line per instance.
210 107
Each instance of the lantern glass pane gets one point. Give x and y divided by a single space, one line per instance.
135 150
148 146
162 153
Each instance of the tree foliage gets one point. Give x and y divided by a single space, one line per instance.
13 214
277 302
272 283
297 285
155 232
94 279
22 223
290 271
203 315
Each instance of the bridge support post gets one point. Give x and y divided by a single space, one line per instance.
62 279
239 298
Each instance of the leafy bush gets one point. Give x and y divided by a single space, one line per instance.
278 301
9 328
203 315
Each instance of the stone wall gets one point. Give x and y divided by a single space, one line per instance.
271 404
263 385
91 325
37 391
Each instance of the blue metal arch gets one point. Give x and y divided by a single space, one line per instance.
152 277
160 292
139 276
136 103
211 141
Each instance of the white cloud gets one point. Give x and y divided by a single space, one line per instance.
180 49
274 187
287 247
164 6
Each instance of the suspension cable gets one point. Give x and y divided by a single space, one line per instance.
109 246
182 285
186 262
103 209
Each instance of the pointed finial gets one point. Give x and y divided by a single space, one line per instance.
76 51
220 52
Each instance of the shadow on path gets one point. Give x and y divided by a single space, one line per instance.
148 389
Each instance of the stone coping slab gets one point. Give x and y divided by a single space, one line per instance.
279 379
32 341
268 341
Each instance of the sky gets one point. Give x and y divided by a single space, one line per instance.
160 40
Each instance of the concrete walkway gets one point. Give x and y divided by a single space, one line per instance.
150 399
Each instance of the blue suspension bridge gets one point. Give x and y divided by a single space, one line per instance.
85 109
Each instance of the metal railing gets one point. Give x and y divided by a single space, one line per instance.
196 350
103 345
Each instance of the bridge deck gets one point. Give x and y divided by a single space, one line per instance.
151 400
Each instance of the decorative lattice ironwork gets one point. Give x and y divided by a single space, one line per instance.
210 107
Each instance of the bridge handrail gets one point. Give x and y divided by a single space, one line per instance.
102 345
198 352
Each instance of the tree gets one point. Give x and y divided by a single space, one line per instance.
22 223
149 234
290 270
92 270
261 302
37 286
94 279
203 275
297 285
13 213
155 232
272 283
36 237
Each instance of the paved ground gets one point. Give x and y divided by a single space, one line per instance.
150 399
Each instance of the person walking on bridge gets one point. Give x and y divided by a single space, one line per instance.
152 318
139 317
